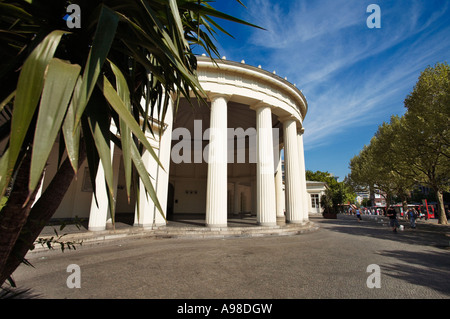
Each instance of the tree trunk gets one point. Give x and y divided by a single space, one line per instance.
442 216
405 206
14 214
40 214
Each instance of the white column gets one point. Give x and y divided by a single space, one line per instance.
144 216
216 189
97 216
99 213
162 184
39 191
301 157
147 214
279 189
265 182
115 167
294 198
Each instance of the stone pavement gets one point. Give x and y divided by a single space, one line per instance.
331 262
184 226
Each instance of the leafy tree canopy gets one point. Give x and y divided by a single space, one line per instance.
412 149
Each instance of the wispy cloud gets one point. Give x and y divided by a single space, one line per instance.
350 74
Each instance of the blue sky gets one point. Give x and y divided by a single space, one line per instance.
353 77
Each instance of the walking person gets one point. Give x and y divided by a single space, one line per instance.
358 214
392 214
412 214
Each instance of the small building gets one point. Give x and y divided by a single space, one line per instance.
315 191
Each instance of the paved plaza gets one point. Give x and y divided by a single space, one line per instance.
333 261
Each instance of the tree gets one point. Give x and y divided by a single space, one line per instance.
378 167
72 83
368 174
426 135
412 149
337 193
395 176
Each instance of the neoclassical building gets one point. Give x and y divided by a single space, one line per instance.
221 158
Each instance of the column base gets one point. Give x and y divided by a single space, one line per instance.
149 226
281 220
216 225
97 228
294 221
267 224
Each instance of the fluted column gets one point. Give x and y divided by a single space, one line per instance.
294 198
100 207
301 158
265 182
144 214
216 188
165 143
279 189
116 166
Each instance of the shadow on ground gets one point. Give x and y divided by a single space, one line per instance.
429 269
424 234
17 293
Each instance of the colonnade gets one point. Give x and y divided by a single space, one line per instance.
269 195
146 213
270 199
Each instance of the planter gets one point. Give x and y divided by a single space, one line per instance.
329 216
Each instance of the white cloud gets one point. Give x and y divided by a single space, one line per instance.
350 74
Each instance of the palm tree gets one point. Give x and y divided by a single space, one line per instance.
69 83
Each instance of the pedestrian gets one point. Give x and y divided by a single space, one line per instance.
358 214
412 214
392 214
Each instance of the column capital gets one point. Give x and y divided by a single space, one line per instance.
301 130
212 96
260 104
286 118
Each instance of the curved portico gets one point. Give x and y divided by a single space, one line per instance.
223 158
249 99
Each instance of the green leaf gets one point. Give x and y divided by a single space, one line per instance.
91 153
70 132
103 39
178 22
207 10
125 133
7 100
4 173
100 128
118 105
58 87
145 177
116 102
28 91
13 10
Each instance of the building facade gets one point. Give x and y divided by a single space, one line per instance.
315 190
218 159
